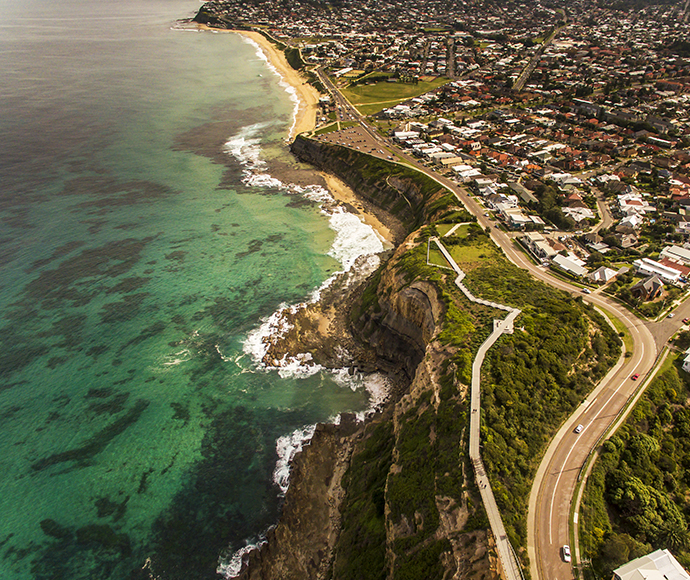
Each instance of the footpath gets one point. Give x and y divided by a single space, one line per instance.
506 554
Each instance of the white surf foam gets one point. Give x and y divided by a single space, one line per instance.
232 568
353 240
287 447
376 384
288 88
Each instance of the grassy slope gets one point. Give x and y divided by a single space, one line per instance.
528 389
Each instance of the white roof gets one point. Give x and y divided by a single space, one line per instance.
569 265
677 253
659 565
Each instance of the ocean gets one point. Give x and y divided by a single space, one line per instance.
146 250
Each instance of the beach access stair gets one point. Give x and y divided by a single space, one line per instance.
509 562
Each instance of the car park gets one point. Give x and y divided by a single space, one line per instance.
579 428
635 376
566 553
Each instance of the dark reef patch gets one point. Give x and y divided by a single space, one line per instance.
105 507
113 406
221 505
111 193
127 309
149 332
128 285
54 530
177 256
14 358
181 412
144 481
9 413
56 361
60 252
97 442
98 350
53 288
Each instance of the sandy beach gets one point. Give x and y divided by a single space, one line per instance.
308 96
344 194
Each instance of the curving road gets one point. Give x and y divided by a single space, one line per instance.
557 476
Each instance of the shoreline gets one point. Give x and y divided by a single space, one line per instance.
307 96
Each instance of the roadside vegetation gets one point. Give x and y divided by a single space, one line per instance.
532 380
637 497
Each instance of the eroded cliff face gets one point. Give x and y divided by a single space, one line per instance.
393 191
393 498
300 546
432 517
403 320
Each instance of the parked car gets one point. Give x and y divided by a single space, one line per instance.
579 428
686 320
635 376
566 553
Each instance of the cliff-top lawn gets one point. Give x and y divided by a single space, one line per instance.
370 99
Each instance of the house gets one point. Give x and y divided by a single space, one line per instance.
659 565
629 224
648 289
677 254
570 263
602 275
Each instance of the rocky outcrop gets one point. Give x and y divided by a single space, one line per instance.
300 546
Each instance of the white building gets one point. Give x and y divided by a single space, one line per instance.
570 263
659 565
676 254
647 267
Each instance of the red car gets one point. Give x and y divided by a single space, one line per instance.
686 320
635 377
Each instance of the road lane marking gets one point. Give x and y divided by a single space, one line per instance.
565 462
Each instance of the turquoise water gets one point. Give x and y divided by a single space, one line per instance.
135 431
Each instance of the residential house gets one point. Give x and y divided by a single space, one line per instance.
648 289
659 565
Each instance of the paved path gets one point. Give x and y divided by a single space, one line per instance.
506 555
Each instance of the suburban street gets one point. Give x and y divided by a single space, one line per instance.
557 477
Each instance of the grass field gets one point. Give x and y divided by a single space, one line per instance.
370 99
436 258
327 129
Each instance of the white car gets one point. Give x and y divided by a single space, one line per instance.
579 428
566 553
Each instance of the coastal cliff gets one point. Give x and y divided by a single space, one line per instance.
395 192
393 495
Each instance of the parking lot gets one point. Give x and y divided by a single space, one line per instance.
356 138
